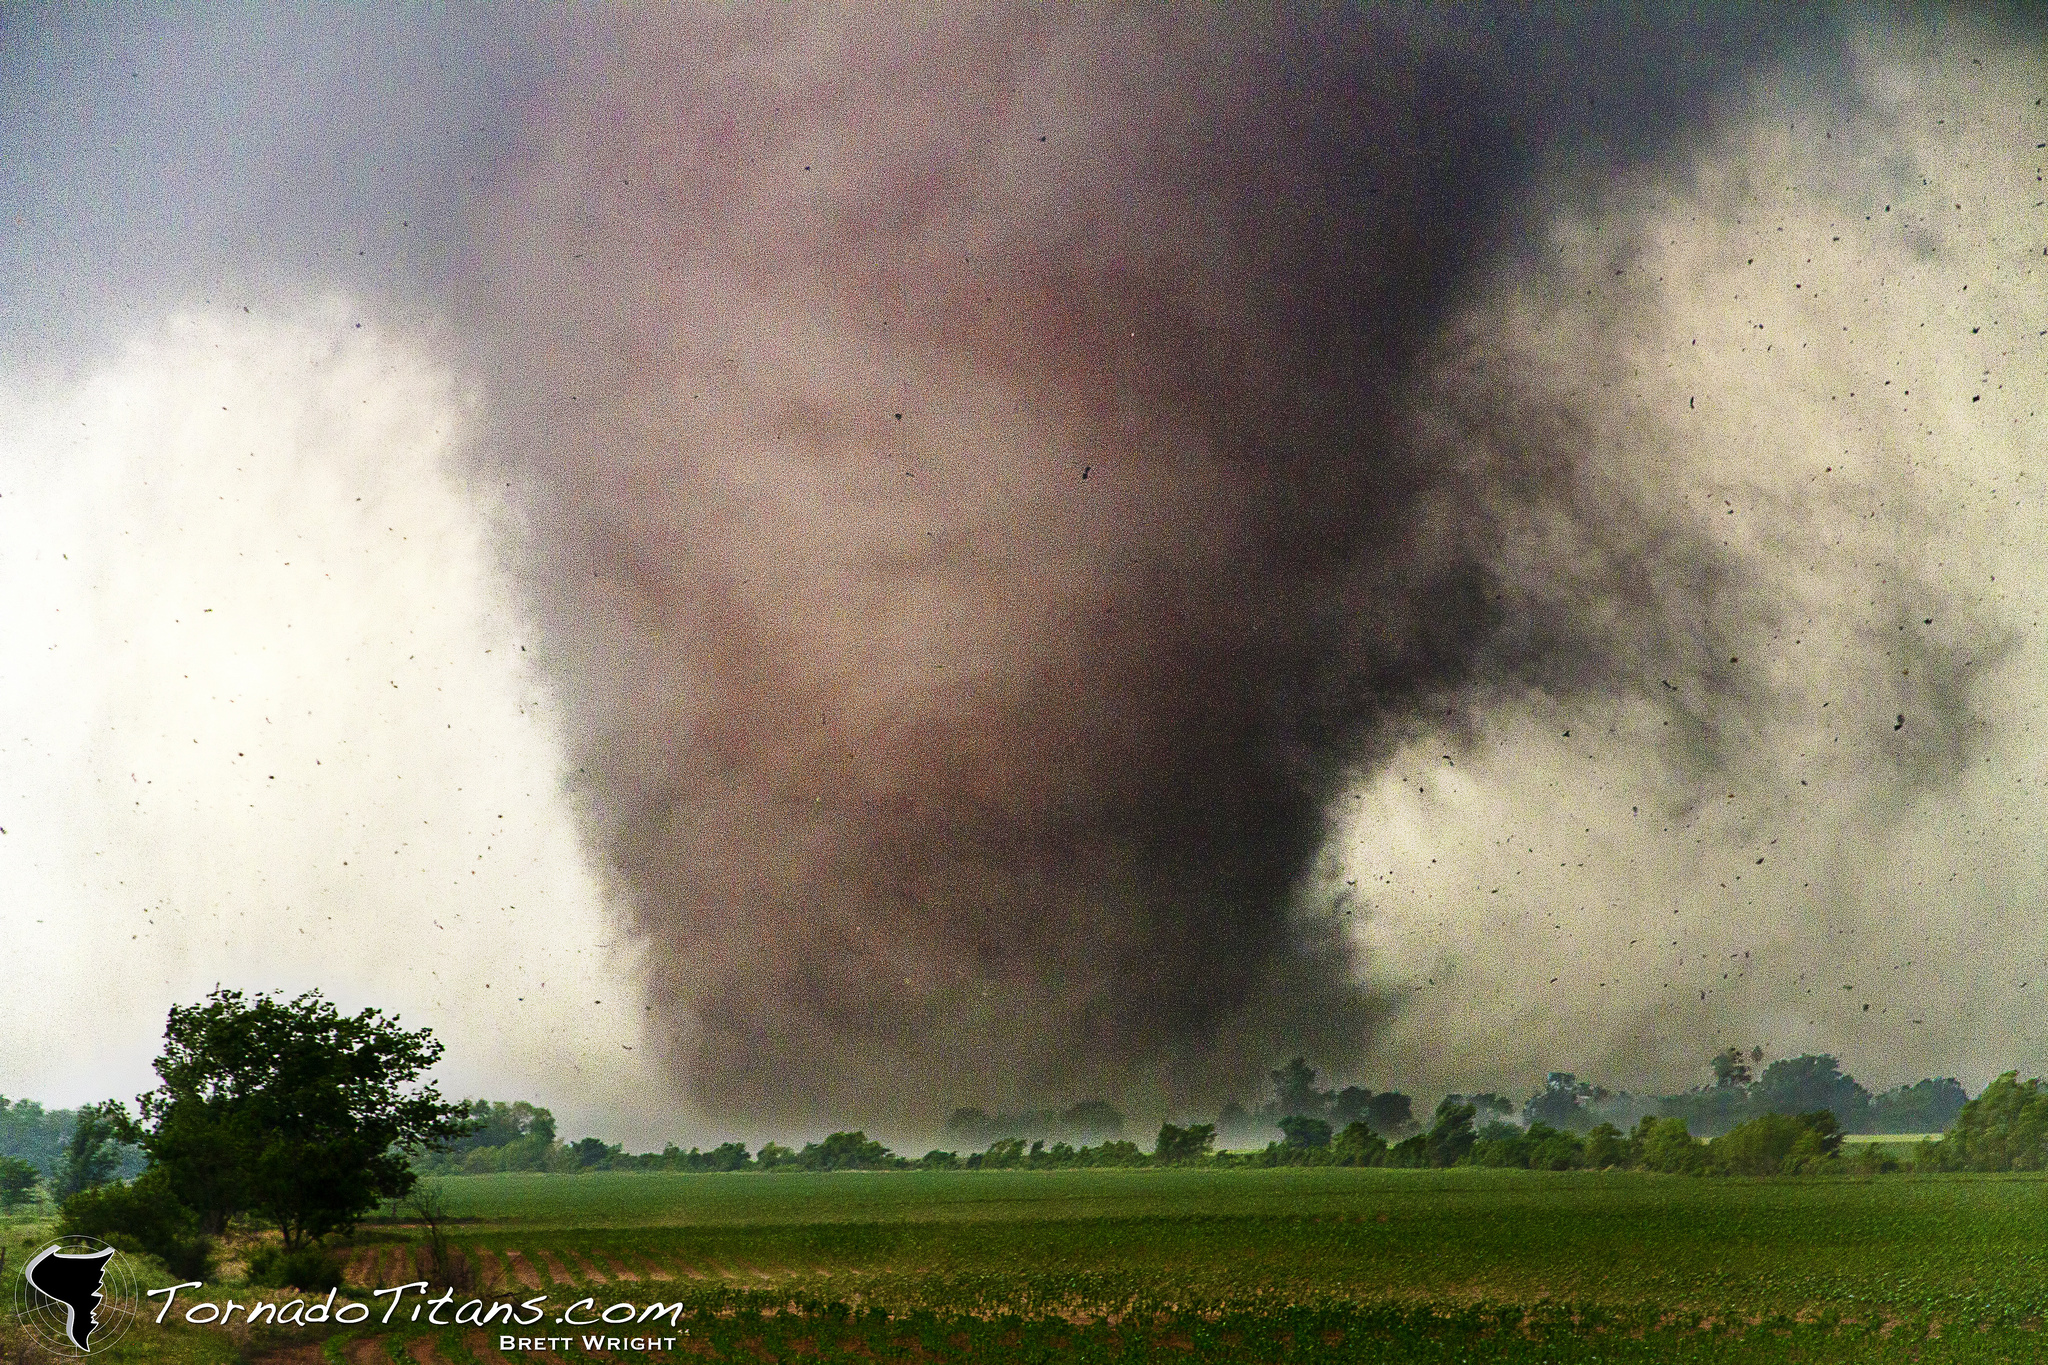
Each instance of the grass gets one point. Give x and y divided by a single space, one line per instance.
1303 1264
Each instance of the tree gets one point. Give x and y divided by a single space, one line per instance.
1303 1131
1092 1119
591 1151
1451 1134
1778 1144
1732 1068
1294 1089
1191 1143
1358 1145
1800 1085
1666 1145
855 1151
2003 1129
1605 1147
18 1180
1928 1106
1562 1102
93 1155
292 1111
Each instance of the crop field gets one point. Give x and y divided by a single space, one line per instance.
1235 1265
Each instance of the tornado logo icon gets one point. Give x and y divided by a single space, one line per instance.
75 1296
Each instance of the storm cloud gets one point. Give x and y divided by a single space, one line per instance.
1082 554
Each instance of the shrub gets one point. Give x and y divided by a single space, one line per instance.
1666 1145
145 1218
308 1269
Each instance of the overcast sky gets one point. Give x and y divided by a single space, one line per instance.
753 568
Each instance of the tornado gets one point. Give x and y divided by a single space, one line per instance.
994 481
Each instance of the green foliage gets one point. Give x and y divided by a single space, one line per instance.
1294 1088
41 1137
1732 1067
18 1181
2003 1129
854 1151
590 1151
1536 1148
291 1111
93 1154
1606 1147
1564 1102
1177 1144
144 1216
1778 1144
308 1269
1665 1145
1358 1145
1088 1119
1928 1106
1304 1131
1800 1085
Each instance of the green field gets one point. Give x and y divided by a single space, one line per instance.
1287 1264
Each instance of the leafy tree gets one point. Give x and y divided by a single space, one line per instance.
18 1181
590 1152
93 1156
1928 1106
1294 1089
726 1156
2003 1129
1191 1143
773 1155
1450 1134
1664 1144
1605 1147
36 1135
854 1151
1303 1131
1358 1145
1537 1148
1709 1109
1489 1107
1731 1067
1562 1102
1092 1118
291 1111
1800 1085
1778 1144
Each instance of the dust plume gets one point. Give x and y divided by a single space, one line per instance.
997 482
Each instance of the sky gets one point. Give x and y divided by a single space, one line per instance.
767 570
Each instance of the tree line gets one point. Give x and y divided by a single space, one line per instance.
1789 1117
288 1117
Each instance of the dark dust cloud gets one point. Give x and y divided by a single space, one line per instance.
1083 553
984 522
